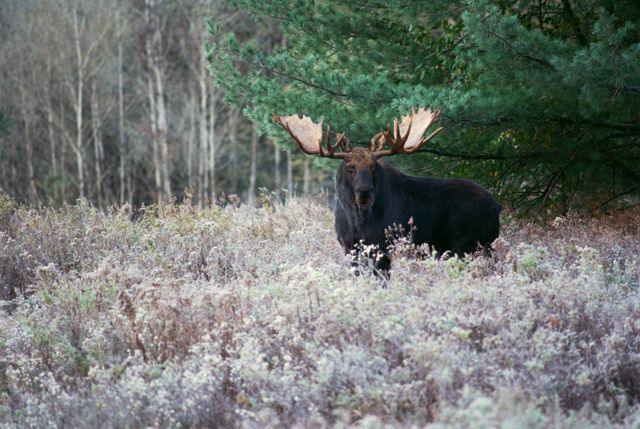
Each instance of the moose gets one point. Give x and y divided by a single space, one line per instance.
450 215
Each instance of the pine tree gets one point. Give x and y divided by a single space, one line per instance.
540 98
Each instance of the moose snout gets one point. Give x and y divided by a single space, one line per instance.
364 197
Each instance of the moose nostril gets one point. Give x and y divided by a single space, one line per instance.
364 198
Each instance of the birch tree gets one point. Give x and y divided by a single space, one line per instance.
211 166
89 33
26 108
122 143
253 171
156 94
97 143
203 130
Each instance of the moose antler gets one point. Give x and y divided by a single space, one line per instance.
408 135
308 135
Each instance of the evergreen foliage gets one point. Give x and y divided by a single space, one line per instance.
540 98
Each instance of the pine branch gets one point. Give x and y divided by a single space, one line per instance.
568 12
517 52
483 156
300 80
472 156
238 57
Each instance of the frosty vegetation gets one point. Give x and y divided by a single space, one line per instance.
252 317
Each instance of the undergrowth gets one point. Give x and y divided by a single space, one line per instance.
254 317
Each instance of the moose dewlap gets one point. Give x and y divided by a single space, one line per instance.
453 215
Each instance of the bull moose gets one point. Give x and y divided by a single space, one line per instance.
454 215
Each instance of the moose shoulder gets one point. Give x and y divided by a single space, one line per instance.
448 214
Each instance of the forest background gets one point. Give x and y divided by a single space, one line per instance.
247 313
114 101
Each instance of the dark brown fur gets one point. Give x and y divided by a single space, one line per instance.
449 214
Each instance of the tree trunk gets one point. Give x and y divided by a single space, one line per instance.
289 173
26 117
79 150
157 167
80 169
130 187
156 102
52 149
122 146
162 132
233 149
154 140
212 145
50 131
306 186
191 138
277 179
97 143
254 165
63 155
202 128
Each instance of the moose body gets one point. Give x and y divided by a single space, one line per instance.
452 215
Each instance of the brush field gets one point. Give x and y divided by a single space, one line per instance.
251 317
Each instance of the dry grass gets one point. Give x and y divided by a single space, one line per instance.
252 317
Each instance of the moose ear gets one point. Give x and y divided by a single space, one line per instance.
377 141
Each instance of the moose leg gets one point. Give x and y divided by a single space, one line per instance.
464 247
382 263
363 257
471 247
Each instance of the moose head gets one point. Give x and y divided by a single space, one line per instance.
360 164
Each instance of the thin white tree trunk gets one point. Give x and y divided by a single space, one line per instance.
289 173
122 146
306 186
52 149
233 148
26 117
154 140
152 104
160 106
78 149
212 145
277 179
80 170
158 113
202 129
192 136
97 143
51 132
254 165
129 187
63 155
162 131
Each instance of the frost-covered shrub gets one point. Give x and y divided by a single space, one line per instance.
253 317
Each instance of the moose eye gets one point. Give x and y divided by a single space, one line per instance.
351 169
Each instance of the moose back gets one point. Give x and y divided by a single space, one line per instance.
452 215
